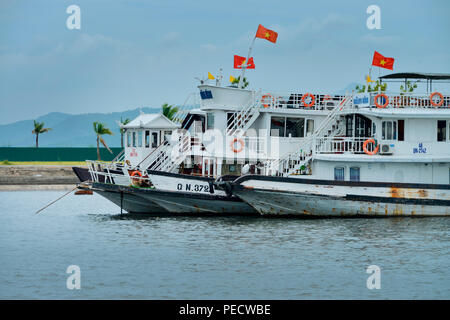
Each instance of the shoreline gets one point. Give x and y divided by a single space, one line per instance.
37 177
37 187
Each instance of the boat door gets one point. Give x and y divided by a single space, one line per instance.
155 139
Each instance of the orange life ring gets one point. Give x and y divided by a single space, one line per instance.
267 97
385 98
440 97
366 151
313 99
136 173
241 142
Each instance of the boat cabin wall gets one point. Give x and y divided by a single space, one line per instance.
406 172
140 142
213 97
414 137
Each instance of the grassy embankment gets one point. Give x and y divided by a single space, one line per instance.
40 163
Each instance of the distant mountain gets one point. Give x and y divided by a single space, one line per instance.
68 130
348 88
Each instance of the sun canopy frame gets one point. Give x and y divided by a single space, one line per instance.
429 77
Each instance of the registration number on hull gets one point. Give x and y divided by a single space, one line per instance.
192 187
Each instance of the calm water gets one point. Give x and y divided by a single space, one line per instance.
212 258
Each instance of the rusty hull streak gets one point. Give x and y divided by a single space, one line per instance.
408 193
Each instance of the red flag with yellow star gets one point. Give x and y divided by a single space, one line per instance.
383 62
267 34
239 61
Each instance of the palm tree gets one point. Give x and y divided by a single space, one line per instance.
100 129
38 129
169 111
122 131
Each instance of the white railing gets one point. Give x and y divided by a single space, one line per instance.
409 100
300 101
325 145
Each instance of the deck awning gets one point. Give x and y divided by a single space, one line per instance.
417 75
430 78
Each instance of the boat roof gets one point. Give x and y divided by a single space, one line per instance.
151 121
417 75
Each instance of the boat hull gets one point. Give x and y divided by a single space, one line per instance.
145 200
182 202
125 199
286 196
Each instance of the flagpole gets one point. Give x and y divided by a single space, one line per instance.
241 79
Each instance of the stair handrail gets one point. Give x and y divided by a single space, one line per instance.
307 144
242 115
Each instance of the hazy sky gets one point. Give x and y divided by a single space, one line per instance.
144 53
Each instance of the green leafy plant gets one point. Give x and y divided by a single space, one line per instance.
408 88
6 163
381 87
235 82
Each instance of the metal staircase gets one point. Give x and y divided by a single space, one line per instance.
297 162
242 120
193 100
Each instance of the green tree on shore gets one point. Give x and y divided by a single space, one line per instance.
100 129
169 111
39 129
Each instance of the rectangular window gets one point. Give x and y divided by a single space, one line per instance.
140 138
295 127
354 174
389 130
441 130
277 125
128 139
154 139
349 126
339 174
147 139
134 139
209 120
309 127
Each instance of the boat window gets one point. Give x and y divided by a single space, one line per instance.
389 130
339 173
349 126
441 130
309 127
154 139
128 139
295 127
277 125
134 138
147 139
209 120
140 138
354 174
374 128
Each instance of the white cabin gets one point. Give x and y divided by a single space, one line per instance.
144 134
